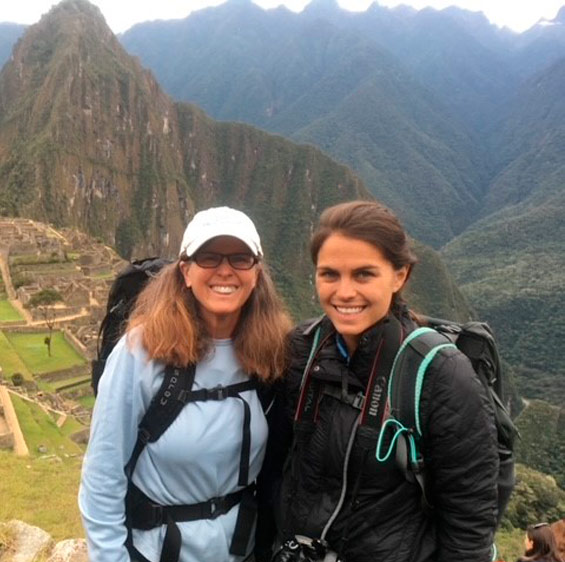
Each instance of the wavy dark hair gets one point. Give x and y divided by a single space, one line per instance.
370 222
544 545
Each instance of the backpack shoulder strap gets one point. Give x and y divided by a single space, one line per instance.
163 409
405 388
408 373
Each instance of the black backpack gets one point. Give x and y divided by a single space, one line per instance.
124 291
407 372
476 341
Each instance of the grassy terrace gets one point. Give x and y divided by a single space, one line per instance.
41 492
87 401
73 383
39 428
8 313
10 360
33 352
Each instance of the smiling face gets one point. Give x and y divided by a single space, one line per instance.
355 285
220 291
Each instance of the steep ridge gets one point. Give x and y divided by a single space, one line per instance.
300 75
88 139
511 264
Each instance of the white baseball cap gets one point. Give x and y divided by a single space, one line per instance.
220 221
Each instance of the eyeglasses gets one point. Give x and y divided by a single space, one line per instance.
210 260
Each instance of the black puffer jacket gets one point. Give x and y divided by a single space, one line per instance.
386 521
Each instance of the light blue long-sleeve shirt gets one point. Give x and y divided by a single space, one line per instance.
197 458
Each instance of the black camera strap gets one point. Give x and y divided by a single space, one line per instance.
372 405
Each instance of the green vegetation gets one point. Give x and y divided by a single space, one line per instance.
104 275
37 260
536 498
45 297
10 360
542 446
42 489
31 350
507 267
127 236
87 401
72 382
41 492
8 314
19 280
509 544
40 430
70 427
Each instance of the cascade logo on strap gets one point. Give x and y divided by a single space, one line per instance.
167 394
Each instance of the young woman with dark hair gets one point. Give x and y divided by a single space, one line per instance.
213 313
540 544
333 487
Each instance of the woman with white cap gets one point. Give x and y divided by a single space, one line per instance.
203 335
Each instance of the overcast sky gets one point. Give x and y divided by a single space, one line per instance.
122 14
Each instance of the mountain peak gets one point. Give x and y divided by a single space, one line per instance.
560 17
74 9
70 18
322 7
73 30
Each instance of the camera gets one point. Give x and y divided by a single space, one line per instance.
305 549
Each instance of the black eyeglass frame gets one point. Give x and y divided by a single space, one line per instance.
221 257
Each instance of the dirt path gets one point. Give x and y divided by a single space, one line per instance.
6 276
58 319
24 313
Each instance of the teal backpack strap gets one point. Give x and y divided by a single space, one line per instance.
405 388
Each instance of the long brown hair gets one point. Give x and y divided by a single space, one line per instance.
544 545
370 222
173 331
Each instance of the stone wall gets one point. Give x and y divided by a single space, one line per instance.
6 435
13 425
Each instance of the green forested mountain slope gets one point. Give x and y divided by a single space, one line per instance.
511 264
88 139
530 143
409 99
302 75
511 268
542 446
456 54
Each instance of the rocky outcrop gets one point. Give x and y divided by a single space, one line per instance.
20 542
